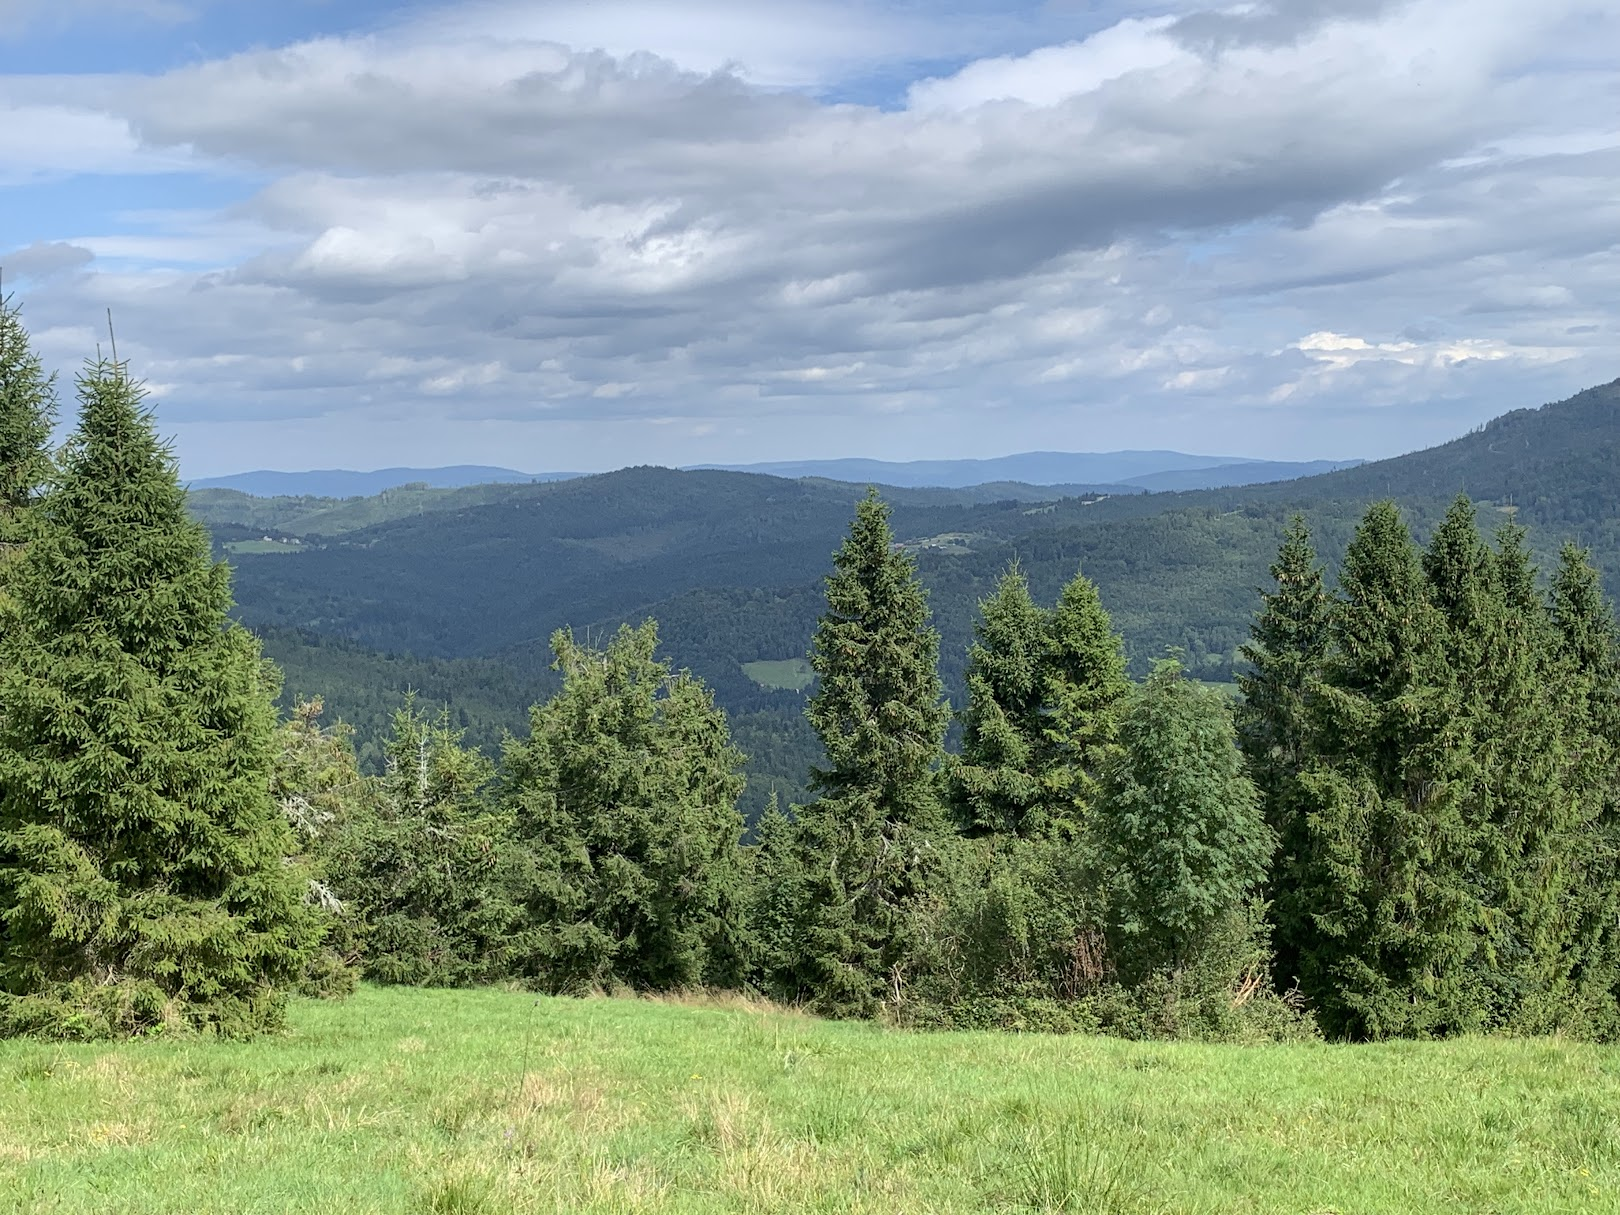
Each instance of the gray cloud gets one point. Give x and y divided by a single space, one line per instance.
43 259
737 179
1094 244
1272 22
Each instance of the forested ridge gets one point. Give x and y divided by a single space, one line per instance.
462 588
1405 823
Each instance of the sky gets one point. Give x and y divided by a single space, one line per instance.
581 234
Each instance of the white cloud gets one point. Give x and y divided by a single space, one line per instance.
1340 352
1055 73
45 141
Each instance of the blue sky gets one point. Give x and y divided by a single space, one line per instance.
586 233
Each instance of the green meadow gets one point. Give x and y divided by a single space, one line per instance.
789 674
495 1101
239 547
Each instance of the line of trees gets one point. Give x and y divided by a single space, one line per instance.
1406 826
1436 749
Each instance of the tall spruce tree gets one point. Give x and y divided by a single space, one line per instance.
1390 916
1458 568
1084 687
879 707
995 783
1510 770
27 412
776 894
1287 644
1469 613
1586 672
142 875
872 839
1527 811
625 800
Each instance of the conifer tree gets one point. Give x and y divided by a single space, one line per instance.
872 839
625 799
1045 689
1457 566
879 707
1386 860
1509 767
1084 691
776 894
1586 673
424 869
1178 833
27 411
142 875
1287 644
995 782
1526 807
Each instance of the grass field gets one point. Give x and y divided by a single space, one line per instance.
792 674
489 1102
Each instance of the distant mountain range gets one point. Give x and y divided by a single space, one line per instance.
1146 470
1113 471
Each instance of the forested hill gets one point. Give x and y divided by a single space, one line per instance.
346 483
1558 463
1553 464
236 515
470 583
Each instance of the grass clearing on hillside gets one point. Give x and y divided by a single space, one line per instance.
249 547
489 1102
790 674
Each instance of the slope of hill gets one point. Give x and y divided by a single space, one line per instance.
1248 472
1555 463
312 515
346 483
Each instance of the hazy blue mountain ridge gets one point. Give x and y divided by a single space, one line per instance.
1092 469
1069 472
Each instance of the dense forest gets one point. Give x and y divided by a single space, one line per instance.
1404 823
455 593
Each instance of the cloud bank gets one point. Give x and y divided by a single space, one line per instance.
587 235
